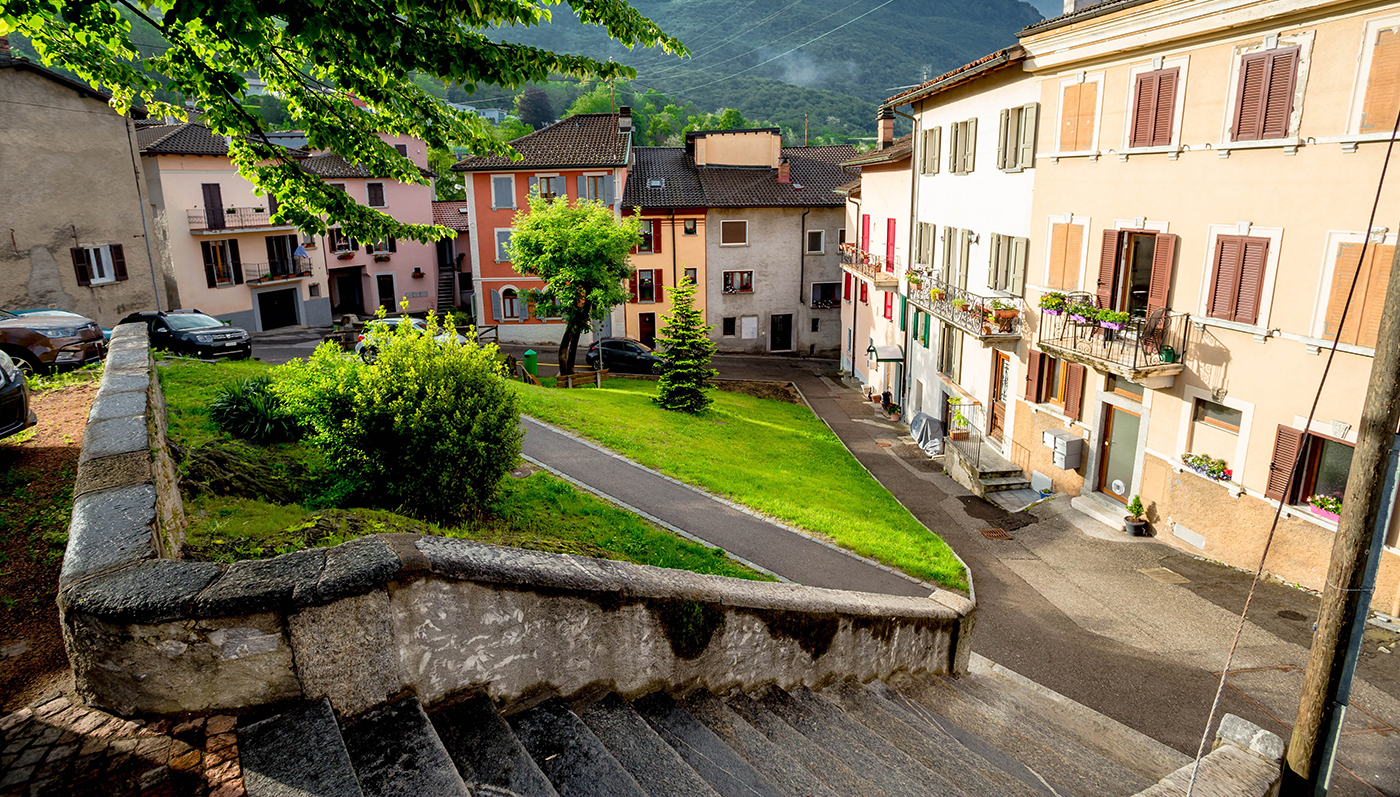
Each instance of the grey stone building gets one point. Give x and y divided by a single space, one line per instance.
76 229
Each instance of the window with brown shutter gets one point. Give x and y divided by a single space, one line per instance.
1033 377
1239 278
1368 301
1160 281
656 236
1382 103
82 267
1265 95
1288 445
1066 255
1154 108
1077 111
1074 390
375 192
1109 256
118 262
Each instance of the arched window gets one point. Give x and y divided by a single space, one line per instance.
508 303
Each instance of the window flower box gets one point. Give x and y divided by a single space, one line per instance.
381 258
345 255
1327 507
417 272
1053 303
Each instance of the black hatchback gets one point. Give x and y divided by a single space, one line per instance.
623 355
15 415
194 333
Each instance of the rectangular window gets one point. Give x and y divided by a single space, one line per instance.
596 187
550 187
1123 387
864 296
221 263
1363 320
841 237
738 282
962 147
1016 137
339 187
728 327
1008 263
502 239
924 235
933 149
690 228
1053 375
402 149
502 192
1238 279
816 242
648 237
1154 108
1078 110
1218 416
1382 102
1264 99
816 324
693 275
889 305
385 246
646 285
1306 465
279 254
100 263
1066 256
733 233
376 194
824 295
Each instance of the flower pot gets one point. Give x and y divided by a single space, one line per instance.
1052 311
1078 318
957 434
1113 325
1325 515
1003 314
1137 527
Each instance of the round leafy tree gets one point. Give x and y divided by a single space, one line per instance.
686 349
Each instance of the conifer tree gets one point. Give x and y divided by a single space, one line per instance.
686 349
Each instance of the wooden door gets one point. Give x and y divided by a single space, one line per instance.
213 206
1001 388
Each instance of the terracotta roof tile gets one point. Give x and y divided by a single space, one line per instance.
680 186
586 139
901 148
452 215
331 165
1011 54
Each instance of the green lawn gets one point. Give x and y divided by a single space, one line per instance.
189 386
775 457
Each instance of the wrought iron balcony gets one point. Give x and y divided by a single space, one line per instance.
879 269
973 313
1147 346
266 273
223 219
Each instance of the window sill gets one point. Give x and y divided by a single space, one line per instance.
96 283
1056 413
742 244
1054 157
1172 152
1320 345
1234 488
1288 145
1260 334
814 254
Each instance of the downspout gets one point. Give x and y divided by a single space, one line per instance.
802 272
141 204
913 226
675 280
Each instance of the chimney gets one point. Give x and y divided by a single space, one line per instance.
624 119
783 175
886 127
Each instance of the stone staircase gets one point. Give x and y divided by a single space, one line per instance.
984 734
446 289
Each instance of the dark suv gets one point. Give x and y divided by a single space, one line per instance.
15 415
623 355
41 342
194 333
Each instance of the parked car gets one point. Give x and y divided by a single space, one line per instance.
15 414
624 355
194 333
106 331
43 342
367 351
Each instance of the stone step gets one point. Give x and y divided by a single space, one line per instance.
1018 500
720 766
485 750
655 765
992 484
570 755
1065 766
298 753
773 762
396 752
939 752
887 768
811 755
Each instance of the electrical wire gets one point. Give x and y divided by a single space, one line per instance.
1297 461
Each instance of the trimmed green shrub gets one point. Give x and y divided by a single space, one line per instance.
250 410
429 429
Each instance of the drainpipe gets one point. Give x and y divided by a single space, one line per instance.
141 205
913 226
675 278
801 270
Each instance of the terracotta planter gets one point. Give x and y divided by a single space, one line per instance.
1004 314
957 434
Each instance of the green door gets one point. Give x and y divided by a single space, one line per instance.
1119 460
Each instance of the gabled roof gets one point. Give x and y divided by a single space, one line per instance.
185 138
1080 15
901 149
452 215
22 64
851 189
680 186
580 141
331 165
987 63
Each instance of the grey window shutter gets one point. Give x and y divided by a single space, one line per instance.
496 305
919 243
583 188
1004 135
534 182
970 146
930 152
936 151
994 274
1020 255
608 189
1025 145
957 355
949 235
963 257
954 156
563 188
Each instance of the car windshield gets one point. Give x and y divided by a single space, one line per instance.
7 314
192 321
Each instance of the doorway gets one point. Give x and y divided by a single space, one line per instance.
385 285
646 329
349 294
1118 464
1130 294
780 332
213 206
1001 388
277 308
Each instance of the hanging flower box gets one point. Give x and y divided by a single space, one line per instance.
344 255
417 272
1327 507
381 258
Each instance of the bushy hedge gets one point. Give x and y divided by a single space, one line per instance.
429 429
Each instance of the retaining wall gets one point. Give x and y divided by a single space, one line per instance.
387 614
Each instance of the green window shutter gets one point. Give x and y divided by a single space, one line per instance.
903 313
927 318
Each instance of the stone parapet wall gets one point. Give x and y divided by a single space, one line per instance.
384 615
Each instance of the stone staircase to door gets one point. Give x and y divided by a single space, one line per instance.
974 464
446 289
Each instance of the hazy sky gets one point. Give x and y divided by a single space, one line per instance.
1048 8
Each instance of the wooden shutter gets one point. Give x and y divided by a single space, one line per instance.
1278 100
1164 112
1069 117
936 150
657 285
1160 284
234 264
889 305
865 232
1088 107
970 147
1059 241
1005 134
954 154
632 289
393 244
996 273
1224 290
1382 103
1108 266
1144 104
1025 142
1033 377
957 353
1345 269
903 313
1254 256
274 258
82 268
1020 254
496 305
846 290
1249 104
376 194
209 275
889 244
608 189
1074 390
656 226
927 321
1288 446
964 258
949 265
583 188
118 262
1373 301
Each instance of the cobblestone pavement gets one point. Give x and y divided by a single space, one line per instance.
58 747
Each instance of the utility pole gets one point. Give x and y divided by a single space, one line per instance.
804 129
1346 598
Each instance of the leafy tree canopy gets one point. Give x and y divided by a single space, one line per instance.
345 69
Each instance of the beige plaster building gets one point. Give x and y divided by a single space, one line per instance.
74 214
666 192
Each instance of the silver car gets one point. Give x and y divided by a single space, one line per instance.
367 351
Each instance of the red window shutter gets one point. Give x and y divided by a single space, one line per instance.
1225 289
1033 377
208 249
1144 104
1254 254
1160 284
1288 447
864 297
889 244
1249 105
118 262
1108 266
656 241
656 276
889 306
1074 390
1278 100
846 290
81 267
632 288
1164 112
865 232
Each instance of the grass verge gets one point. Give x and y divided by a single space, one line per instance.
775 457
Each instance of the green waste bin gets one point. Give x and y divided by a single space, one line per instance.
532 363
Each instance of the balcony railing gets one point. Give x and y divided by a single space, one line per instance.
984 317
217 219
1148 346
874 267
267 273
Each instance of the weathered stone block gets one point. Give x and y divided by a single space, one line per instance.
108 529
154 591
111 404
346 651
123 470
260 585
124 359
116 436
352 568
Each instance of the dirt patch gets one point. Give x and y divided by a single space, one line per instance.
982 509
36 492
777 391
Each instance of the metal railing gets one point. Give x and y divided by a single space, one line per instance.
262 273
962 431
205 219
1155 342
879 268
973 313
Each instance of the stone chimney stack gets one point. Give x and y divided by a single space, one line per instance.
783 175
886 127
624 119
